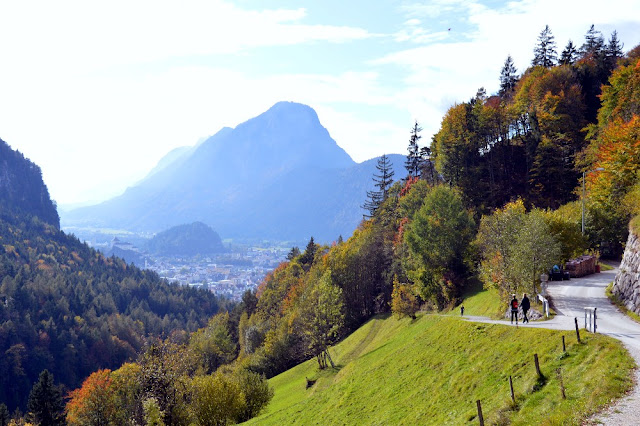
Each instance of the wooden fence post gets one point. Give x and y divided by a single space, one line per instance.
559 373
480 413
535 359
577 330
564 348
513 395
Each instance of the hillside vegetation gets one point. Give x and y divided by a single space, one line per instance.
432 371
189 239
67 308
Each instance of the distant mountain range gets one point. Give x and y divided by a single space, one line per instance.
277 176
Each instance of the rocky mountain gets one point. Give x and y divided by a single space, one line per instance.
278 176
22 188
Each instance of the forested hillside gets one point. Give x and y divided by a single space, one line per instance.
544 129
64 306
186 240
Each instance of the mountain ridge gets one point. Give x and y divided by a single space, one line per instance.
279 175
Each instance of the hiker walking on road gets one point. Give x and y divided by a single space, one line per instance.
514 309
525 307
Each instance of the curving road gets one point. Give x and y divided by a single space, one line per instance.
569 300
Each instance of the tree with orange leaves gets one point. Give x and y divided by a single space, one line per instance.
93 403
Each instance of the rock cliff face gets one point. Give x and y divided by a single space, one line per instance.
627 283
22 190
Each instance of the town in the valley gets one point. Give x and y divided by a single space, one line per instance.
228 274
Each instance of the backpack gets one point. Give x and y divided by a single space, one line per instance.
514 304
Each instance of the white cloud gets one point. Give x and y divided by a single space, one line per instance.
436 8
80 35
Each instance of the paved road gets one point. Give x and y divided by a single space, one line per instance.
570 298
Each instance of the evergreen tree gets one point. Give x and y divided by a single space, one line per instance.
374 199
309 253
293 253
614 50
508 78
384 178
545 54
412 164
427 166
383 181
45 402
593 43
569 54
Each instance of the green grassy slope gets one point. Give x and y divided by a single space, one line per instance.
480 302
432 371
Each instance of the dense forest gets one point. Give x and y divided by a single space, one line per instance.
544 129
495 198
65 307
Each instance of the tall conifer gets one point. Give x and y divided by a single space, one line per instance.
593 43
412 164
508 77
545 53
569 54
45 404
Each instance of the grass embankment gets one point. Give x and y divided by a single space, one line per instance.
432 371
480 302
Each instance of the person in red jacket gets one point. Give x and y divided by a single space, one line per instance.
514 309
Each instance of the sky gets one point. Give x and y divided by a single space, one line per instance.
96 93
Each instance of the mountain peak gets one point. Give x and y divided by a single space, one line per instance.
288 107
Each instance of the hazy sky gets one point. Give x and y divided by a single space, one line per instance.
97 92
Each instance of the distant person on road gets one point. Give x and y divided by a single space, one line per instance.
525 307
514 309
461 310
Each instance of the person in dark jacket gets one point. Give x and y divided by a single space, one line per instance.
525 307
514 309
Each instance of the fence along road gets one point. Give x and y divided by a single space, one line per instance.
569 299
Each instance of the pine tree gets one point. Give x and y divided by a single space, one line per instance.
384 179
545 54
427 167
614 49
374 199
593 43
310 253
412 164
293 253
45 402
569 54
508 78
